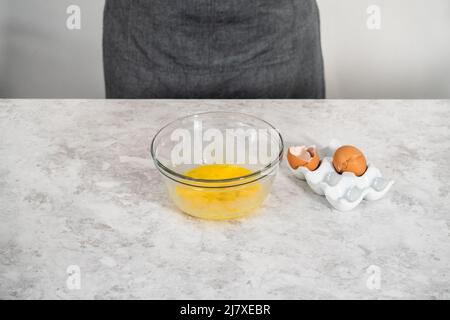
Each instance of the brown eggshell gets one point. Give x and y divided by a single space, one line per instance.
349 159
296 161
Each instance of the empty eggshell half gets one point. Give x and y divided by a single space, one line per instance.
303 156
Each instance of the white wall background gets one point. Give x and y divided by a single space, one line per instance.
408 58
41 58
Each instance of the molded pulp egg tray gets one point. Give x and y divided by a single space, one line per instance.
343 191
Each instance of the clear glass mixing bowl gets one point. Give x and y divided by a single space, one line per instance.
219 142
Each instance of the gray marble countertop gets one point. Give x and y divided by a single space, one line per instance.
83 214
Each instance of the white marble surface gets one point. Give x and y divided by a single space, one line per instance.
77 188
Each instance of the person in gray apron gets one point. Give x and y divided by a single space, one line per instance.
213 49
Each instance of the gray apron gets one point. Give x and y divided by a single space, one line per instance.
213 49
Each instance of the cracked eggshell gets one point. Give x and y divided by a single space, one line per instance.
303 156
349 159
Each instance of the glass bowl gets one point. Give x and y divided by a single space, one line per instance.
218 165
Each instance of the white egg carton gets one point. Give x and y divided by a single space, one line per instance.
343 191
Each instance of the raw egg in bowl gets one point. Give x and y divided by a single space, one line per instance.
218 165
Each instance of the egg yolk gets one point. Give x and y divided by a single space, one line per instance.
219 201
